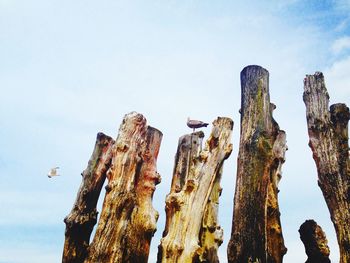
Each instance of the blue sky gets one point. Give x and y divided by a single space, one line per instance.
70 69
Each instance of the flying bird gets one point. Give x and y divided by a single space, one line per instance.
194 124
53 172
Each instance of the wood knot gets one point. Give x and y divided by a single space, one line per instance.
340 113
108 188
228 150
190 185
122 147
173 201
213 143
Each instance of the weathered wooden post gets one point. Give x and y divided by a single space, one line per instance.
192 233
128 219
256 230
82 219
315 242
328 133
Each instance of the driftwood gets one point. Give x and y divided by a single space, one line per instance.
192 233
328 133
83 217
315 242
128 219
256 229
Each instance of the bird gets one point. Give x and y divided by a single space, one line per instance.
53 172
194 124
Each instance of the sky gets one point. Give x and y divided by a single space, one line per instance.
71 69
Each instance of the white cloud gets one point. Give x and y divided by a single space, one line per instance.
337 78
341 44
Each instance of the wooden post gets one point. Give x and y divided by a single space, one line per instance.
328 133
256 230
315 242
128 219
192 233
83 217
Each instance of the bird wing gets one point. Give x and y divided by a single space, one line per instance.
196 124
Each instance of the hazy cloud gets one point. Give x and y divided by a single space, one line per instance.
341 44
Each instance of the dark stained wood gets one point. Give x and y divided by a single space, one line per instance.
83 217
256 229
315 242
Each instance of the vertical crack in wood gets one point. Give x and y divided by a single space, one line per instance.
328 134
81 220
128 219
192 232
256 234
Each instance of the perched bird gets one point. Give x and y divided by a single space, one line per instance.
53 172
194 124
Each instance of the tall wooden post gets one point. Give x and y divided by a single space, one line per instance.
83 217
328 133
192 233
256 230
128 219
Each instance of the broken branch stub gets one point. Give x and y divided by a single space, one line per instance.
256 229
83 217
328 134
128 219
192 233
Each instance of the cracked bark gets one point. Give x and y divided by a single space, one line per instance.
192 233
328 133
82 219
256 229
128 219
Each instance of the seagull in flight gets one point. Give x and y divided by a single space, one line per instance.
194 124
53 172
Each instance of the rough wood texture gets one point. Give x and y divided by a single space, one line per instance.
315 242
211 233
256 230
128 219
192 233
82 218
328 133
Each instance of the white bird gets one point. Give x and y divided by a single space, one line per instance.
194 124
53 172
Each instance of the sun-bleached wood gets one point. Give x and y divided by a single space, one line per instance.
256 229
83 217
128 219
328 134
192 233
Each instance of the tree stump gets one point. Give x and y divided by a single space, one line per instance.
192 233
256 229
82 219
328 133
315 242
128 219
